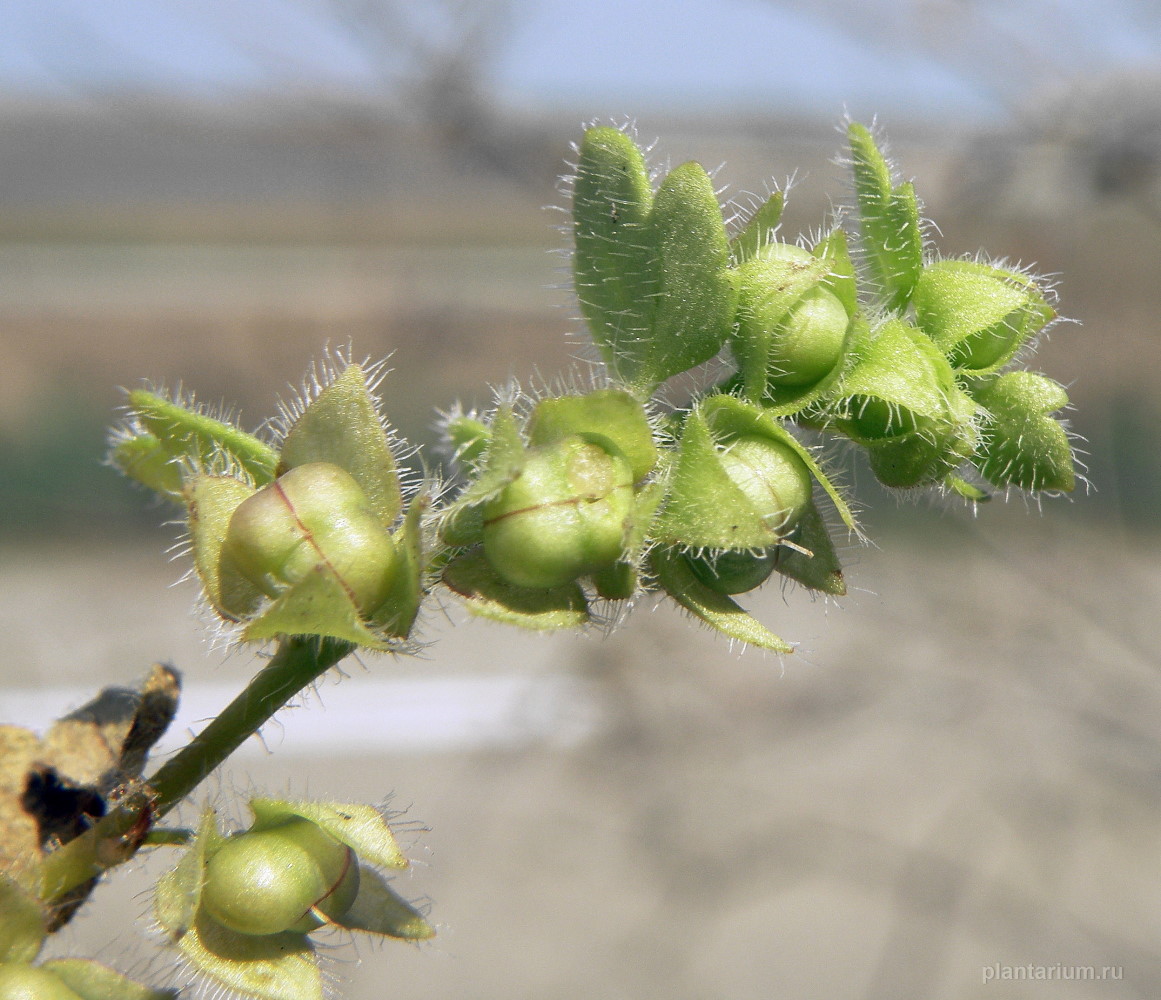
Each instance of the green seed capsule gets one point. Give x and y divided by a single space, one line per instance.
806 340
876 419
734 572
809 343
788 323
774 479
20 981
284 878
316 516
766 486
565 516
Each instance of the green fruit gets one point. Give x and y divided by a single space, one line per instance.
564 516
287 877
734 572
790 328
876 418
20 981
785 253
774 479
808 344
316 516
917 459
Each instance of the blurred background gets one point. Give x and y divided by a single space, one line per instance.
958 771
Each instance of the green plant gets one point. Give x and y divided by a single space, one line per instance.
314 537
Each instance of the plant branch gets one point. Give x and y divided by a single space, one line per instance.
298 661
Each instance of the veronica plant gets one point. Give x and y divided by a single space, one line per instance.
309 536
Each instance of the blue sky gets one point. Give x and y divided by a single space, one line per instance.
816 55
749 52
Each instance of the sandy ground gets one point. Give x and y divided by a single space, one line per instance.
956 776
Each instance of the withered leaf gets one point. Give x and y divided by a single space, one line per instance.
53 788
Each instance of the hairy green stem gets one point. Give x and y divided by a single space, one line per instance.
298 661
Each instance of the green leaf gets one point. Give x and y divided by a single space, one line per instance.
271 967
168 836
651 272
706 508
143 458
501 463
318 604
469 439
978 315
614 264
717 610
758 231
818 566
898 372
211 502
969 491
462 525
696 299
94 981
378 909
22 922
840 278
485 594
890 232
399 611
646 504
617 582
342 427
361 827
184 432
609 417
177 894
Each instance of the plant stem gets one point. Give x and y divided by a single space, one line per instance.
298 661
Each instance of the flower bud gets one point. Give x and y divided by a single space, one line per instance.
908 449
20 981
1021 444
905 407
739 483
313 517
808 344
287 877
565 515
